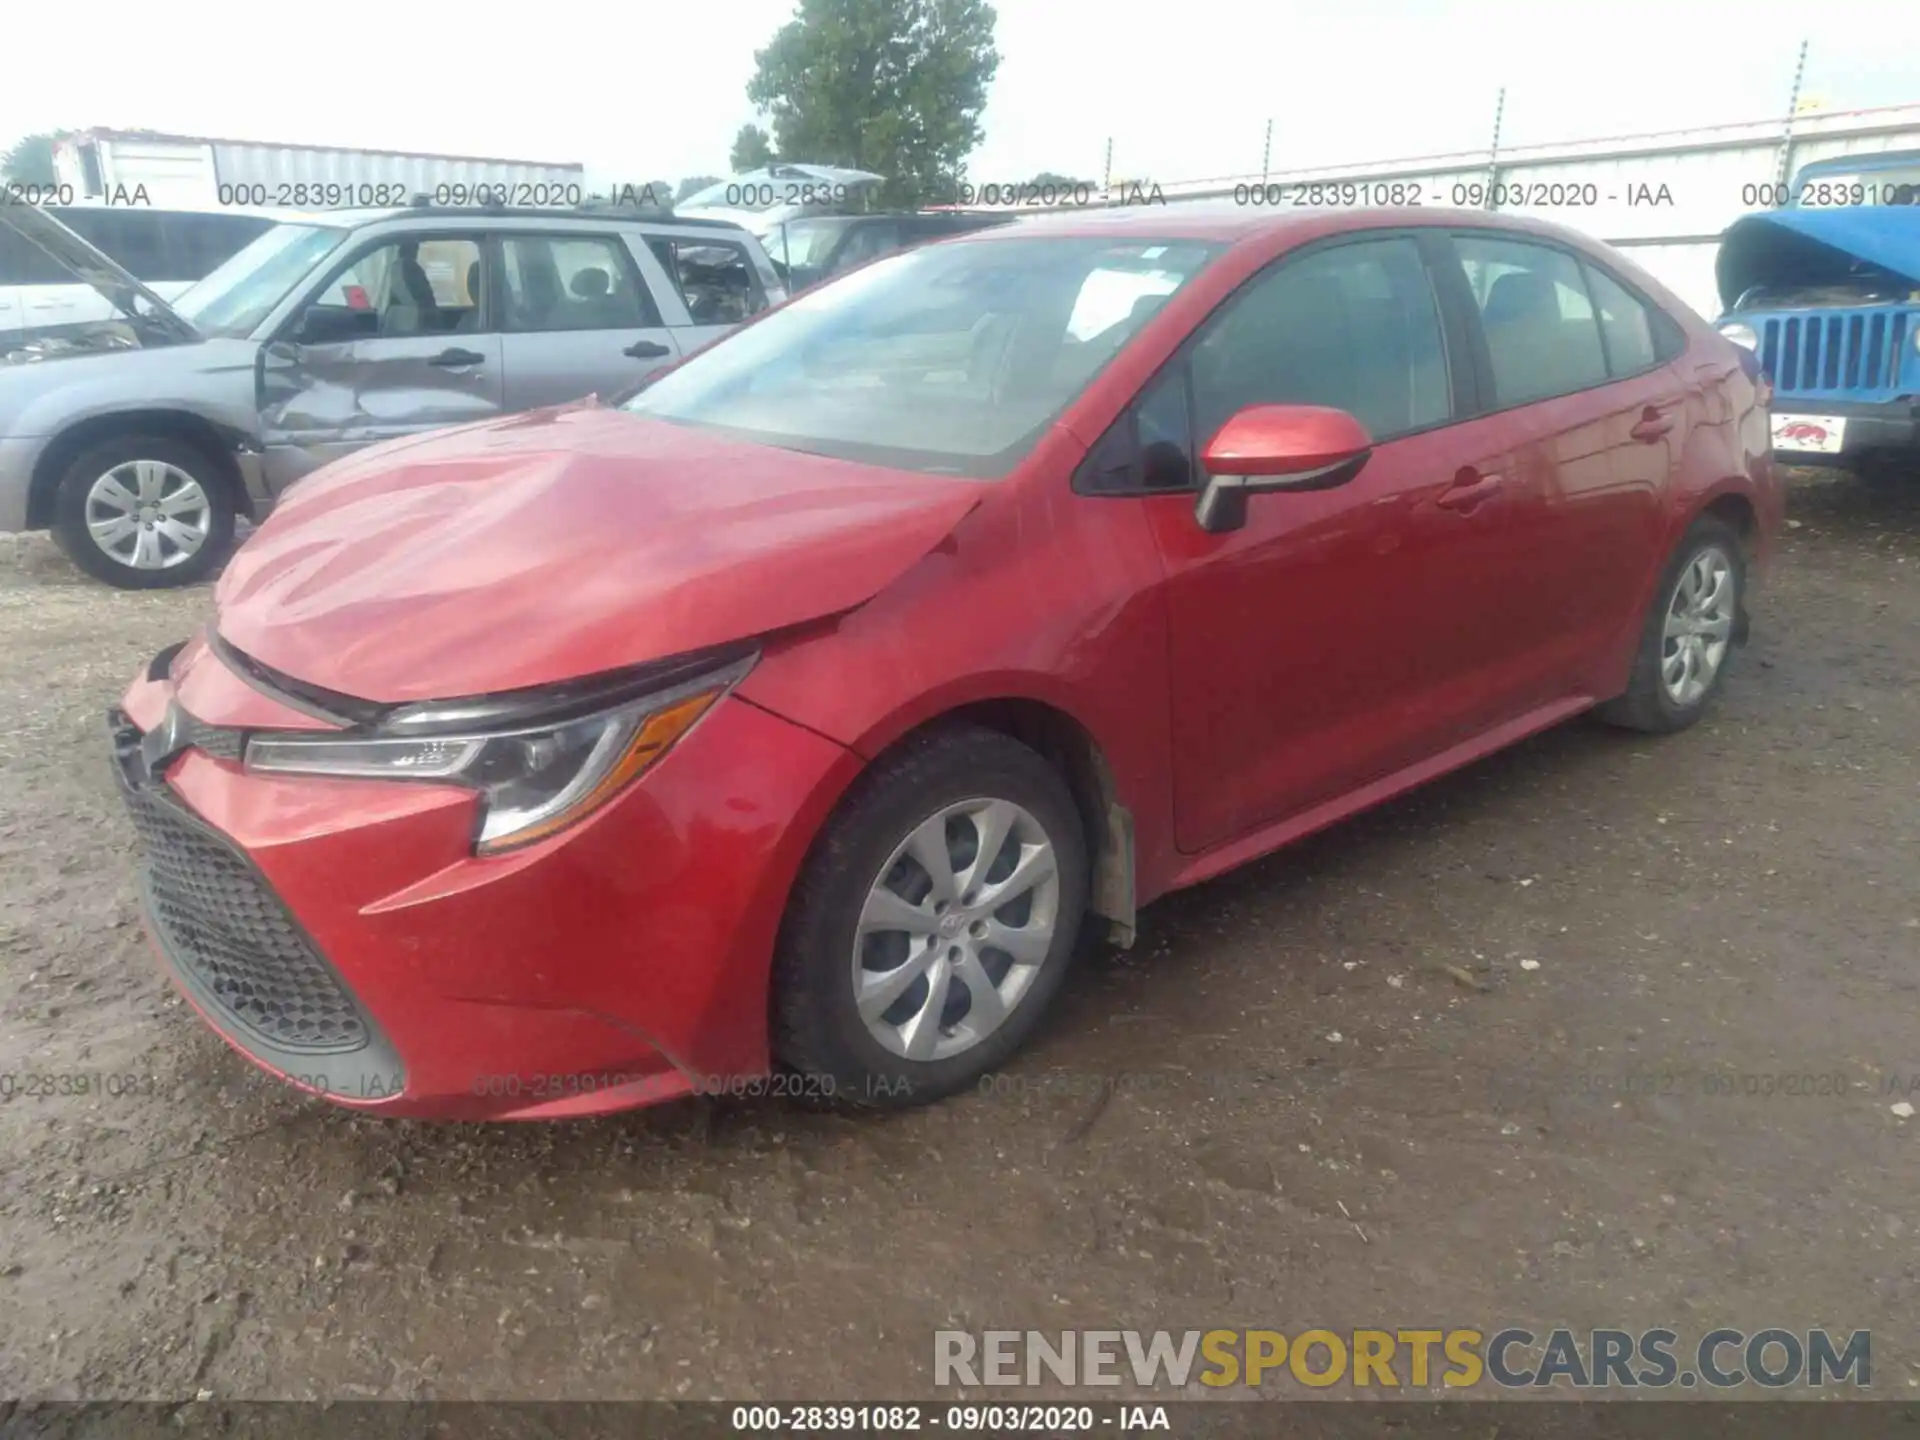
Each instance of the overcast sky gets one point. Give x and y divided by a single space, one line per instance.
653 90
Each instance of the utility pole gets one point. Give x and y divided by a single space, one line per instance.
1493 154
1266 157
1106 180
1785 169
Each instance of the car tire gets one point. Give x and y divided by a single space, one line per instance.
183 484
937 794
1677 622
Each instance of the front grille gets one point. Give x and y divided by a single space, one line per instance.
233 939
215 740
1840 352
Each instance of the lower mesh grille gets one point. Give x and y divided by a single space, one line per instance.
226 928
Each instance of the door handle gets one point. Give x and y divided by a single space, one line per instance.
647 350
456 359
1470 488
1652 425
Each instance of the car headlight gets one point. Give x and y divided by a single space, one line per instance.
1741 335
536 773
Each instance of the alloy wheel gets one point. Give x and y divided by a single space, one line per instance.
955 929
1699 626
148 514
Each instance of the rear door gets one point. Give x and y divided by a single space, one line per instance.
1590 437
399 340
577 318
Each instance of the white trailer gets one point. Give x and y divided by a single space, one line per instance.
140 167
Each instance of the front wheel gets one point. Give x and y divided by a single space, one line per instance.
934 921
1689 633
143 512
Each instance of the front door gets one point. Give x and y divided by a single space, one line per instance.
397 341
577 318
1339 635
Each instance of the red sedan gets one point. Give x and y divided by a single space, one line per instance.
795 717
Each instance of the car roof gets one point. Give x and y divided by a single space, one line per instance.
1225 221
586 214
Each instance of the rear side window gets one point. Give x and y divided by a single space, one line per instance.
1626 324
1543 337
1354 326
573 283
129 237
716 278
197 245
869 242
24 263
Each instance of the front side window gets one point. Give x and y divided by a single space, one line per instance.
1542 336
244 290
1354 326
716 278
404 288
582 282
950 359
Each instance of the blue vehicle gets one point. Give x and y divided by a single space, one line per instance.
1826 291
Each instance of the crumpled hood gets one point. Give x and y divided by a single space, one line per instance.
1778 246
561 543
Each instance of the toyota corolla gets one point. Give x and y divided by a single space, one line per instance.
796 716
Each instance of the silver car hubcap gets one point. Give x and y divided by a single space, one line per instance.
148 514
1699 626
955 929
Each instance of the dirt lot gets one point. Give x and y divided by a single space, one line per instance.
1444 1066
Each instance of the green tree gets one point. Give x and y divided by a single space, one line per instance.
30 161
892 86
693 185
752 148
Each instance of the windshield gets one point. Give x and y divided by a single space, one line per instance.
804 244
951 359
235 298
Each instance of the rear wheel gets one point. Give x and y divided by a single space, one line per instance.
1689 634
143 512
933 923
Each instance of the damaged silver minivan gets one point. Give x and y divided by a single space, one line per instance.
1826 291
140 441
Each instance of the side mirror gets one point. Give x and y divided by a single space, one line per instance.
330 324
1276 447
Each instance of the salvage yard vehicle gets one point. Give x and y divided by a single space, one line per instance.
165 250
1826 291
141 440
815 248
777 729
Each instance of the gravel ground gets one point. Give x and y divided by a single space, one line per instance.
1443 1065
